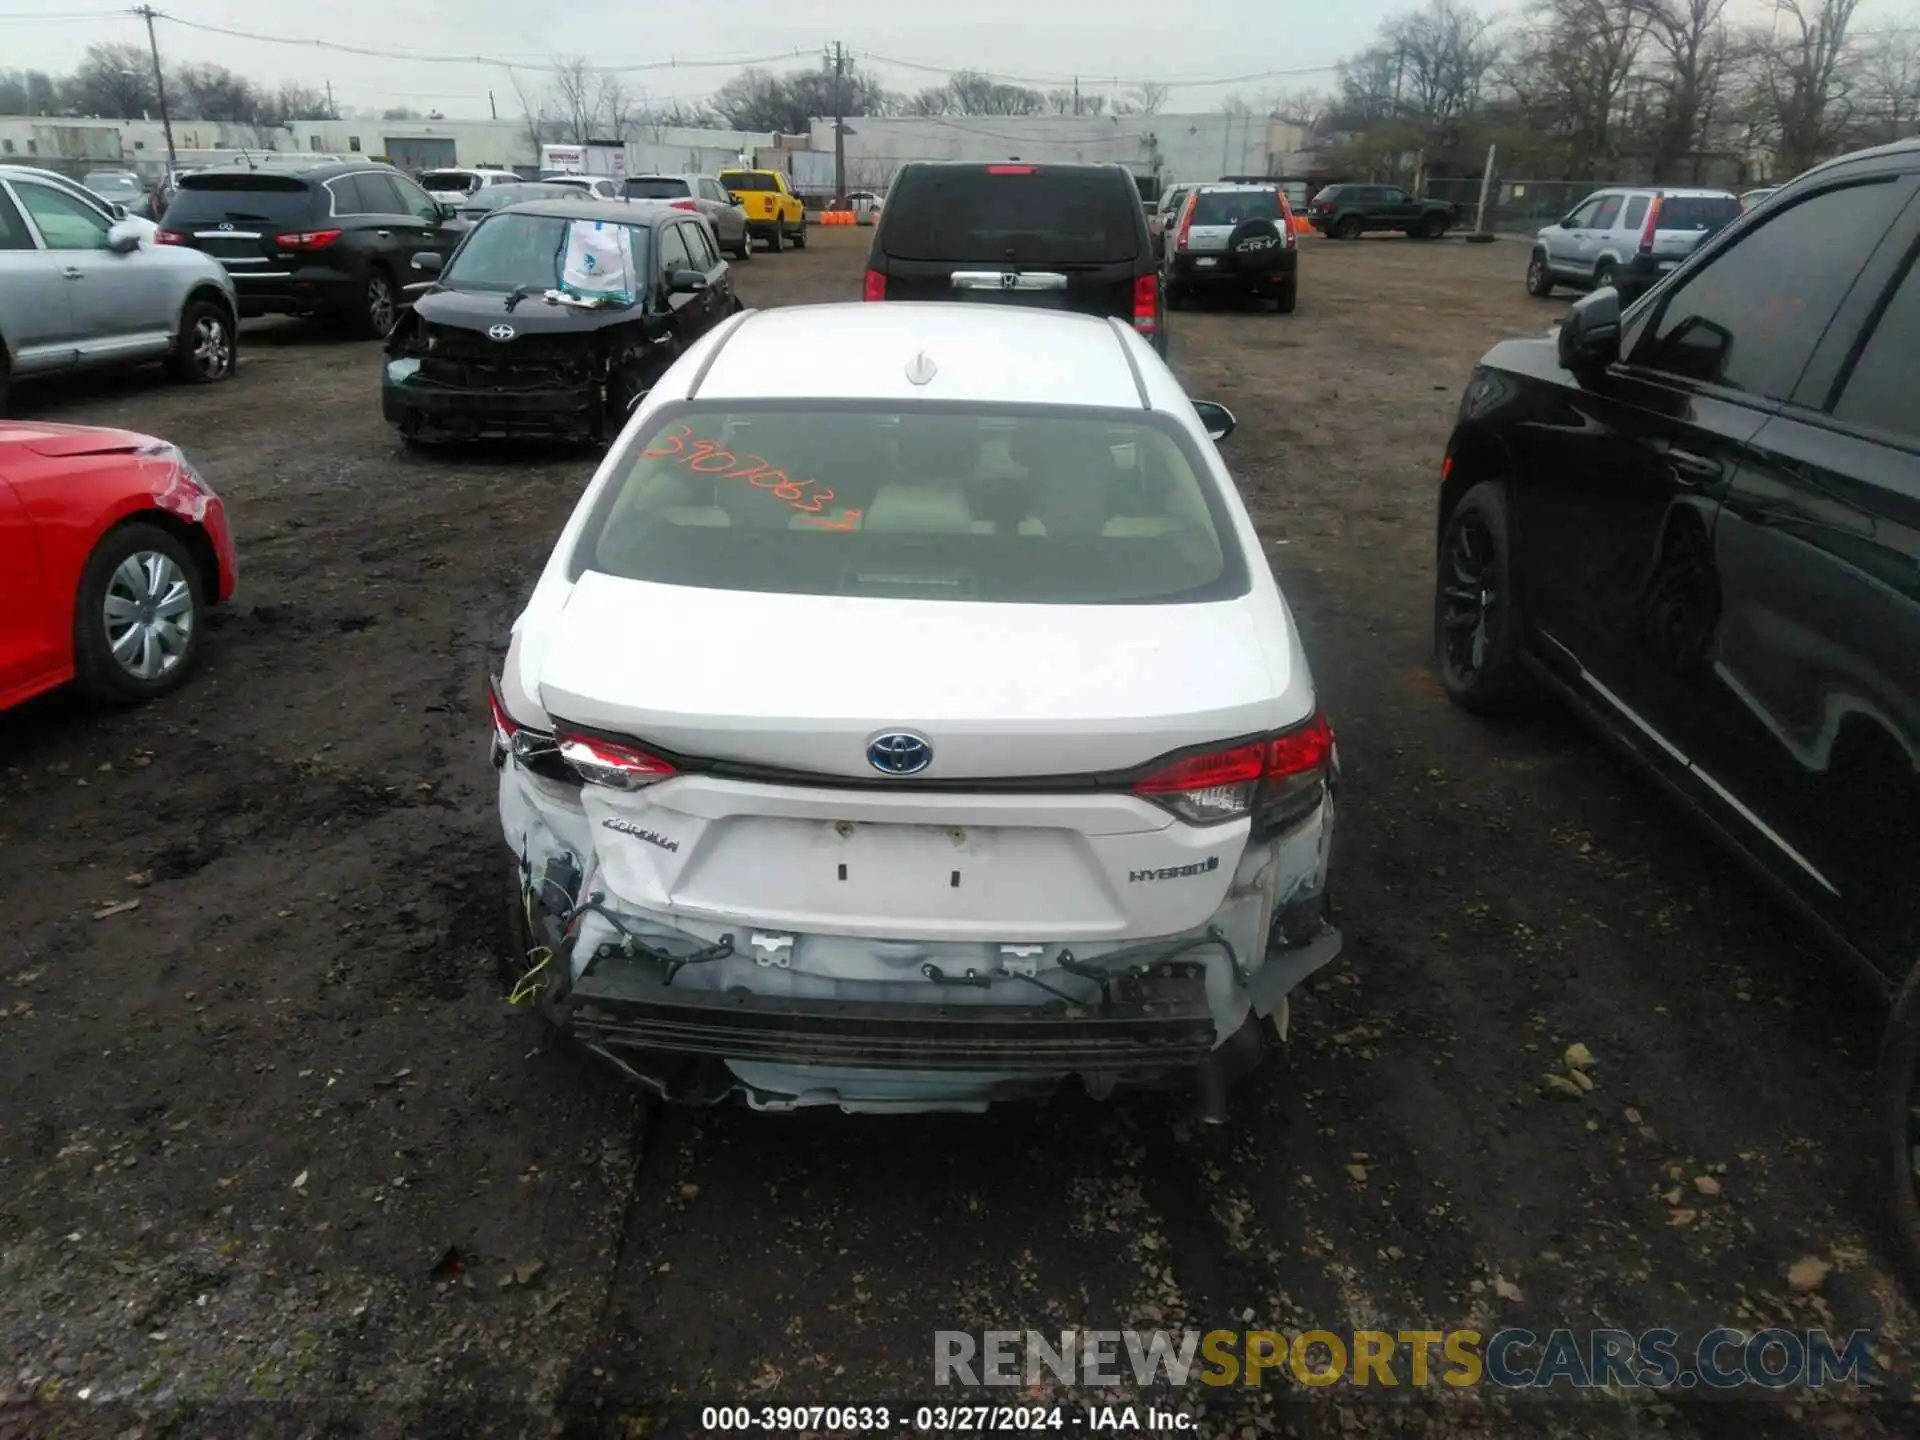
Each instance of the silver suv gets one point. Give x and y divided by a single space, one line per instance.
81 289
1626 238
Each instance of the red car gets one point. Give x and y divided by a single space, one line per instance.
112 551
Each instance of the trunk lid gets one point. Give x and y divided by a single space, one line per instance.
1002 692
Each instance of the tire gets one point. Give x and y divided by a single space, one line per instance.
1477 627
365 321
1348 227
1434 227
778 242
1897 1129
121 573
203 351
1289 295
1539 276
1603 274
744 251
800 235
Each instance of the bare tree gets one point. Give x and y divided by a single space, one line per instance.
1806 78
1690 55
1567 76
1442 56
1148 97
970 93
1888 100
575 92
114 80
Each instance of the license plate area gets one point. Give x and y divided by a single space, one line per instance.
1205 262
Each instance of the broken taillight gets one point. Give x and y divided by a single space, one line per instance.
610 763
533 749
1274 779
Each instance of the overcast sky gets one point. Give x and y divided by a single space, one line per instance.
1045 41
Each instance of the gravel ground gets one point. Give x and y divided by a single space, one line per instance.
274 1157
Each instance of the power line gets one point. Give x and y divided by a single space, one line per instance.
1062 80
517 62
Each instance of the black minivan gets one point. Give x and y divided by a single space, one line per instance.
1064 237
1697 521
333 238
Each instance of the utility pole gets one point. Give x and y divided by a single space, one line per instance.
332 114
491 106
1076 94
160 87
839 123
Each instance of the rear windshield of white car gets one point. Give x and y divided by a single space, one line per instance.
449 181
1025 505
1230 207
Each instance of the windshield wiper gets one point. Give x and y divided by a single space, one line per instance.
521 292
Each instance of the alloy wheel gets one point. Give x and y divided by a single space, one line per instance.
149 614
1471 598
380 304
212 347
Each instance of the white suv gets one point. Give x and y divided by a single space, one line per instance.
915 728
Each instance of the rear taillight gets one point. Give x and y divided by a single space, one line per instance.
1273 780
876 286
1286 223
1653 224
683 205
1146 303
169 237
610 763
307 239
1186 224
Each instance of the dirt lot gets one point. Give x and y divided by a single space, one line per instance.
274 1157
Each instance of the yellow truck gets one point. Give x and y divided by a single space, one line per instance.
774 213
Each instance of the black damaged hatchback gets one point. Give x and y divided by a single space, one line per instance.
496 348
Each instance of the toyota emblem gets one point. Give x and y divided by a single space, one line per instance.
899 752
501 332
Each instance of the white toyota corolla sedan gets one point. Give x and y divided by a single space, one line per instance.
907 719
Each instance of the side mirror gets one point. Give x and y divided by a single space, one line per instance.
1590 333
686 282
119 210
429 261
448 209
1217 419
123 237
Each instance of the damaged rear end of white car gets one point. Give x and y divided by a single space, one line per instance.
914 751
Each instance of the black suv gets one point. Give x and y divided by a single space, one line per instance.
496 347
334 239
1061 237
1346 212
1698 522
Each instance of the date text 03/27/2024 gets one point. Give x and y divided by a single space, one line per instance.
943 1419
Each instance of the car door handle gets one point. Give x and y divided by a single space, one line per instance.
1691 469
73 272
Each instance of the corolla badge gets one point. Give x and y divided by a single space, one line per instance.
899 752
501 332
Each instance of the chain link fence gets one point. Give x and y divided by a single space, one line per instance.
1515 207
